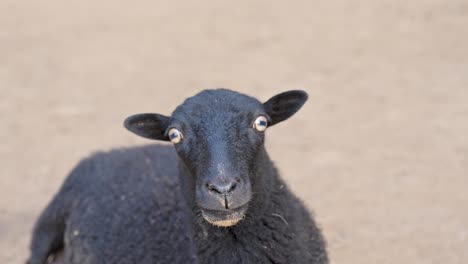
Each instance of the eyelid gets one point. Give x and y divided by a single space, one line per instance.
257 115
264 115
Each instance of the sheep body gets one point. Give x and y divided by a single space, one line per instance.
123 206
155 205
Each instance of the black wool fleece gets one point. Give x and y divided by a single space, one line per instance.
213 197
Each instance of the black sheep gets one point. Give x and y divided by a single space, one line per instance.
218 200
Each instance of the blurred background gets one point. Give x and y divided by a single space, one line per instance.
379 153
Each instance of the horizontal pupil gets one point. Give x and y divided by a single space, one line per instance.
262 123
174 135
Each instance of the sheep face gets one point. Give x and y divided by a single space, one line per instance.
219 148
219 136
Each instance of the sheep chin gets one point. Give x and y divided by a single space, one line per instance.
225 223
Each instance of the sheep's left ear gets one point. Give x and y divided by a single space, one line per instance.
152 126
282 106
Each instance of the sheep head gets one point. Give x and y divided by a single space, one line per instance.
219 137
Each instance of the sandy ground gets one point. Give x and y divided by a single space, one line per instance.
380 152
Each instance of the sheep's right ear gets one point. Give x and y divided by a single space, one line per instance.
152 126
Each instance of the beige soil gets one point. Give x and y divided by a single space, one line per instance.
380 152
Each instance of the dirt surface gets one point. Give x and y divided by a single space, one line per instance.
380 152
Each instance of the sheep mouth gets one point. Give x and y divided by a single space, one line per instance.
224 218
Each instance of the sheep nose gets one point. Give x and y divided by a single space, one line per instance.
222 188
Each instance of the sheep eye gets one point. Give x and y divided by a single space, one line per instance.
175 136
260 123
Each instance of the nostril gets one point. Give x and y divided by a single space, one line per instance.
232 187
212 187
